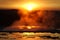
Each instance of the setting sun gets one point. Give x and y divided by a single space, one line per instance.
29 6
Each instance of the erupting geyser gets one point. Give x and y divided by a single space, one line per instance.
32 18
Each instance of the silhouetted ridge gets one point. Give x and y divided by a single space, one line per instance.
7 17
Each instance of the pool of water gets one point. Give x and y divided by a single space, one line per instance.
29 36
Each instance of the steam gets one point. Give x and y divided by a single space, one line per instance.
37 19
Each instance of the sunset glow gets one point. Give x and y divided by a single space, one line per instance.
29 6
29 27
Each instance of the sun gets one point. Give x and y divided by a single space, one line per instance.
29 6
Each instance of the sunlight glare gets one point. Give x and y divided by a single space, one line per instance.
29 6
29 27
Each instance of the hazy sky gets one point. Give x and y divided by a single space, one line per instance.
17 3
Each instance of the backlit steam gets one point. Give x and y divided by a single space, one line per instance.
34 20
37 19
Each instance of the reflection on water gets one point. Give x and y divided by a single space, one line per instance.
29 36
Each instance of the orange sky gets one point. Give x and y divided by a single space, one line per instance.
16 3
